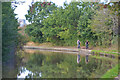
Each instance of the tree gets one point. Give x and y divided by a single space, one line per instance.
36 14
9 30
64 24
103 26
84 31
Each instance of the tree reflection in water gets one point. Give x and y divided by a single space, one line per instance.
61 65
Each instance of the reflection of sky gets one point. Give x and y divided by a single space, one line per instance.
105 1
25 73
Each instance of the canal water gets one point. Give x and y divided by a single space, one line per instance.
45 64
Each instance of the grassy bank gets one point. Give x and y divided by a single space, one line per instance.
112 73
104 53
107 52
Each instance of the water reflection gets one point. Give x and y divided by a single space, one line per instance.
61 65
25 73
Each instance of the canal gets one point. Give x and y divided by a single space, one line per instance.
47 64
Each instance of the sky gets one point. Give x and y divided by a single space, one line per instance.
21 9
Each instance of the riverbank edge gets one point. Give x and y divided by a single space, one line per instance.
69 50
60 49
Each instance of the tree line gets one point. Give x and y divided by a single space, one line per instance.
64 25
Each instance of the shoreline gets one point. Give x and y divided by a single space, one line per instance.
74 50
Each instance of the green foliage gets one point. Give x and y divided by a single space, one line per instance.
112 73
35 33
9 30
61 25
108 52
39 11
21 40
76 20
103 27
36 14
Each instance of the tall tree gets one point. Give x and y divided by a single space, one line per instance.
62 24
36 14
103 26
9 29
84 30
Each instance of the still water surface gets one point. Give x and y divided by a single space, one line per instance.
43 64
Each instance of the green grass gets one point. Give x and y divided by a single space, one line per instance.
112 73
114 50
99 51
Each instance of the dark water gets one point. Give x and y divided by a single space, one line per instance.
42 64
